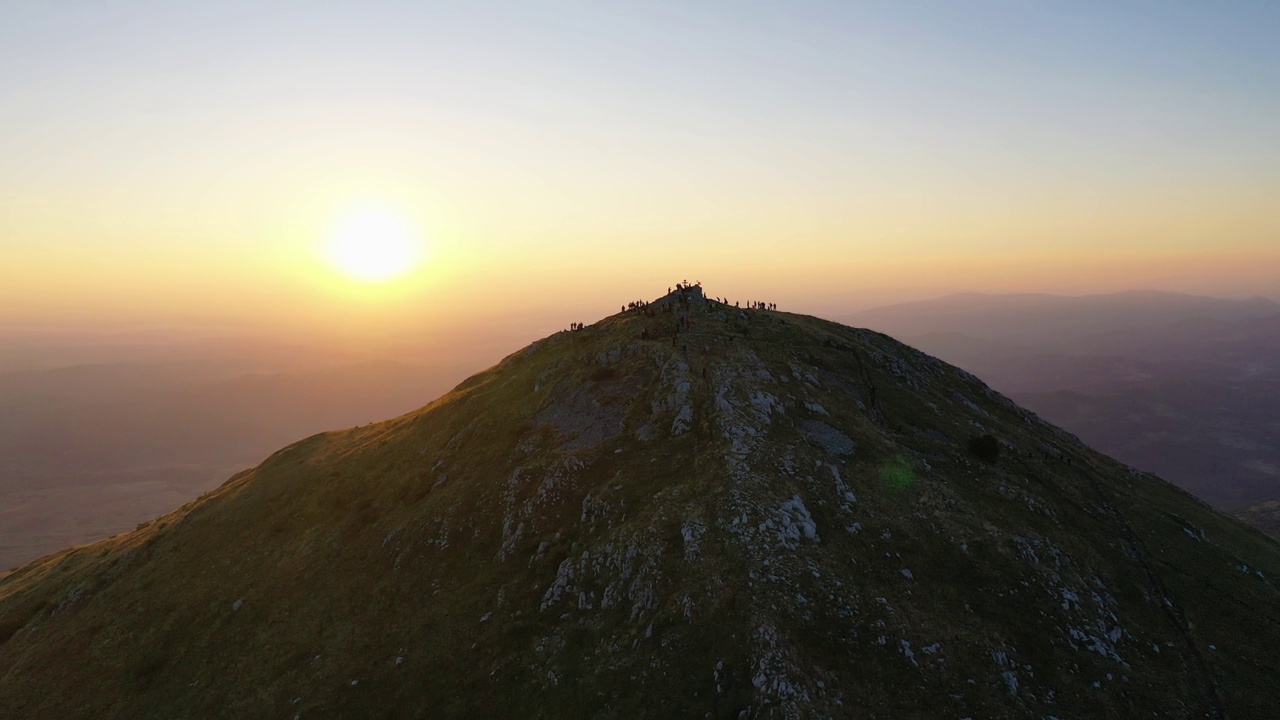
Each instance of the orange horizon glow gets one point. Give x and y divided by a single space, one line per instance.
538 169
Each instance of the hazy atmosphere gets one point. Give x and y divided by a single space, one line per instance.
187 163
725 322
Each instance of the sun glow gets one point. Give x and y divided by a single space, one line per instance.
373 244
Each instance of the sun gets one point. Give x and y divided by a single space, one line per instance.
373 244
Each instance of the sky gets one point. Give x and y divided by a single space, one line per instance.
171 161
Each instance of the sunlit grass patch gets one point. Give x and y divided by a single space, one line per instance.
897 474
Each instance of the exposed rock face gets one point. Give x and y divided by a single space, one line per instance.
770 516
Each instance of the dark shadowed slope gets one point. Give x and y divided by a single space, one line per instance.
615 523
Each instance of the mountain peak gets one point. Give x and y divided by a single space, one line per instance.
689 508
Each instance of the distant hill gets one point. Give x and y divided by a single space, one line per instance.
1264 515
744 514
1055 321
1184 386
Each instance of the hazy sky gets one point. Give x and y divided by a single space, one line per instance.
174 159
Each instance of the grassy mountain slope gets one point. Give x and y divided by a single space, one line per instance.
785 524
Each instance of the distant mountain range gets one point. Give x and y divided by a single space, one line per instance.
1185 386
1062 321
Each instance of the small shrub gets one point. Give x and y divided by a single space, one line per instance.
605 374
985 447
147 668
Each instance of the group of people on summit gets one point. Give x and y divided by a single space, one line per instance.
753 305
683 294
